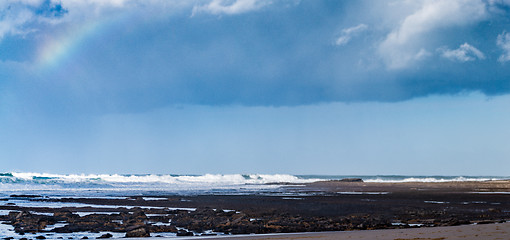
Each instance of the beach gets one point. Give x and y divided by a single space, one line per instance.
347 208
465 232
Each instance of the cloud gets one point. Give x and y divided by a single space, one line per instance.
401 46
12 23
349 33
143 54
219 7
17 17
464 53
422 54
503 41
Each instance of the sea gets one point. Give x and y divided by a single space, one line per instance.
153 186
104 185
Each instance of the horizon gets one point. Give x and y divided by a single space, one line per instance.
418 88
249 175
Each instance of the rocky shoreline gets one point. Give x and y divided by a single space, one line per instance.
322 206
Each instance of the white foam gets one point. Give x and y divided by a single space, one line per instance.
56 225
156 215
162 224
153 178
416 224
7 231
182 209
431 179
41 213
91 185
154 198
435 202
5 212
81 214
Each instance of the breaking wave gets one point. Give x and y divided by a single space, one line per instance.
229 179
121 184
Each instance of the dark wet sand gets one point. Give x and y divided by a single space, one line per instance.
465 232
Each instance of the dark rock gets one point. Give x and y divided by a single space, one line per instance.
8 238
65 215
22 214
182 233
208 234
139 232
85 237
107 235
131 228
163 228
40 237
494 210
351 180
25 196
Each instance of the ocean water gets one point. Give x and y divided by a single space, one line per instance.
101 185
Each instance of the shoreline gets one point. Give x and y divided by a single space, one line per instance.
465 232
321 207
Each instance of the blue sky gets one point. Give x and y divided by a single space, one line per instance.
252 86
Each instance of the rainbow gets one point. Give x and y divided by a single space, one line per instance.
56 50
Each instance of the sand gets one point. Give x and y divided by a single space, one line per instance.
482 231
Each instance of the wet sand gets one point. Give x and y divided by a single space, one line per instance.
466 232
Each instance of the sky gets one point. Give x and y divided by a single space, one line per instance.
255 86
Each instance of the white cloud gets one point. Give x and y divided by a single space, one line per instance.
503 41
464 53
20 16
12 23
230 7
422 54
14 15
348 33
401 46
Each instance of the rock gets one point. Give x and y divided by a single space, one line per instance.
139 232
182 233
25 196
351 180
22 214
65 215
163 228
208 234
494 210
8 238
107 235
40 237
131 228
